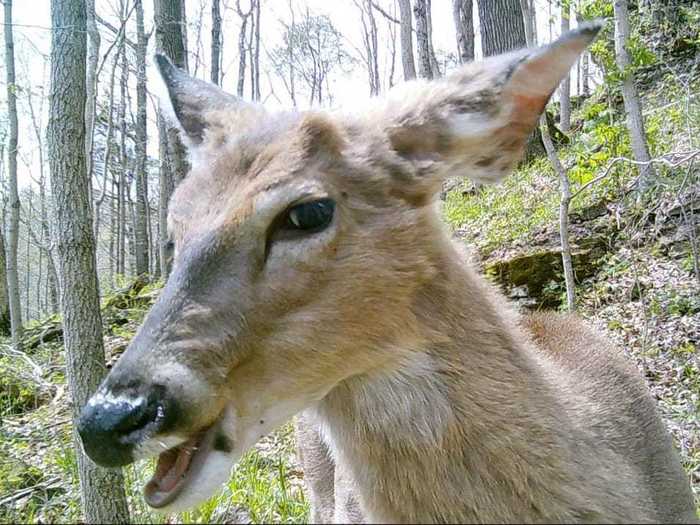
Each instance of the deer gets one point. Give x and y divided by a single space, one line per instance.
312 277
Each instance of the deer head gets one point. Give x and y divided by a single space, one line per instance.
303 242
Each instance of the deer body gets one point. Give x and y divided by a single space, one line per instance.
501 421
311 273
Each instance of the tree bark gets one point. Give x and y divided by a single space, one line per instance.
123 160
92 81
165 190
434 66
255 58
409 66
242 48
502 26
565 89
168 18
503 30
141 254
102 490
633 106
170 36
530 22
13 229
462 13
565 200
5 322
215 42
108 150
420 13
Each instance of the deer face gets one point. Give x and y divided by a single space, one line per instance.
302 245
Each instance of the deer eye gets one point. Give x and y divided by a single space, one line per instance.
310 216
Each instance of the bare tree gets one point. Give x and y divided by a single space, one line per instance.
93 55
170 40
462 13
434 66
123 158
503 30
528 9
108 150
255 53
409 66
565 200
13 229
565 88
242 45
633 106
423 40
216 42
141 254
5 322
102 490
43 239
371 44
585 65
318 49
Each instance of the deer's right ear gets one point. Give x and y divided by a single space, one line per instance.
198 108
475 123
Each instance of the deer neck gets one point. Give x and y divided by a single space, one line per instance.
467 413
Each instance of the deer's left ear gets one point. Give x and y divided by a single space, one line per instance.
201 109
475 123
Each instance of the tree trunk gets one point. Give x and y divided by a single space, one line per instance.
502 26
123 159
13 230
108 150
255 58
420 13
409 66
173 160
528 9
141 254
565 200
502 30
370 40
215 42
170 40
434 66
585 64
5 322
462 13
565 89
165 190
91 101
242 48
635 121
102 490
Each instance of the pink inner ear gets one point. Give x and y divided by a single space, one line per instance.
527 109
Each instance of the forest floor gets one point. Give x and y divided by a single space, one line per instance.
640 290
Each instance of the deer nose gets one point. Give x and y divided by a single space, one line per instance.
111 426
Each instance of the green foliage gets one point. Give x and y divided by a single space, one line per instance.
504 213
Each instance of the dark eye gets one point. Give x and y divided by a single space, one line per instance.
310 216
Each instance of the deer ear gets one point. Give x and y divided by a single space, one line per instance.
476 122
197 107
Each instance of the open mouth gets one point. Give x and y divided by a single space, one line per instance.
177 467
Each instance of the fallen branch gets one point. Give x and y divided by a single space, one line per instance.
663 159
49 484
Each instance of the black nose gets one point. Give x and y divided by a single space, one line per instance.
112 425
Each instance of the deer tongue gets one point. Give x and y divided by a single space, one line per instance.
172 467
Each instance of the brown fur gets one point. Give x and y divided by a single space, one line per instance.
429 398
